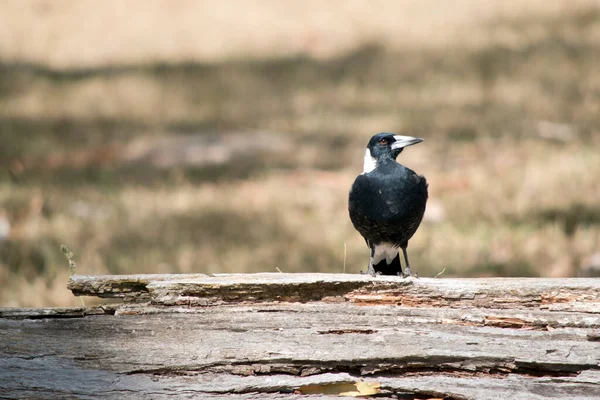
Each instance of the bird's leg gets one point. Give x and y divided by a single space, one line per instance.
371 269
407 272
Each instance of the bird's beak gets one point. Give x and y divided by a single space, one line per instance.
404 141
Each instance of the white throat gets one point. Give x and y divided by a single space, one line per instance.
370 162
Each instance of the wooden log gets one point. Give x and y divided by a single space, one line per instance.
268 336
556 294
126 287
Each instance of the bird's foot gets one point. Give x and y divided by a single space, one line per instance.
371 271
407 273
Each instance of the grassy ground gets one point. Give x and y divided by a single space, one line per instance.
109 160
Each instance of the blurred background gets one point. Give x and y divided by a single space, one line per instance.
223 136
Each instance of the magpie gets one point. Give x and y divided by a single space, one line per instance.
387 202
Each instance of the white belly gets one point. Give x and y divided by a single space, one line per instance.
385 251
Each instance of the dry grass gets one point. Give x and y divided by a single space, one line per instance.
510 117
91 33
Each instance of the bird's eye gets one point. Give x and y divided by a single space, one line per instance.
383 142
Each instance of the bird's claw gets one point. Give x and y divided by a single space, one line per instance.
371 272
407 273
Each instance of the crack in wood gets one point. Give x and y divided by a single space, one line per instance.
449 366
593 336
215 295
55 313
346 331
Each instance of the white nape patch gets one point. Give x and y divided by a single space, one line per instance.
370 163
385 250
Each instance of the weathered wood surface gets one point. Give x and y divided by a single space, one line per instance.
268 336
564 294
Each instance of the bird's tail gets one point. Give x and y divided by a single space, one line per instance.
395 268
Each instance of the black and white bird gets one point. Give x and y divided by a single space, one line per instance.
387 202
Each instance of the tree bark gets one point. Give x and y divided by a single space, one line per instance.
267 336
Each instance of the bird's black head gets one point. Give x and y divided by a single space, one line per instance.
384 146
